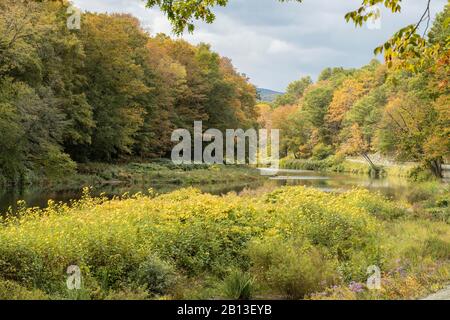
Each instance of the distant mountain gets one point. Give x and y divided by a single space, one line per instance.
267 94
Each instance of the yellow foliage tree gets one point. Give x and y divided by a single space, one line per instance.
343 99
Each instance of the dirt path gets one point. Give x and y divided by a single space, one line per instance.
441 295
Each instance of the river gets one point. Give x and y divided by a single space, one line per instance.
329 182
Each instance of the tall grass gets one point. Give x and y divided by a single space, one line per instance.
331 164
337 164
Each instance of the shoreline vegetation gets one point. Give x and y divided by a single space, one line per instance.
117 178
157 171
413 172
291 243
97 174
162 174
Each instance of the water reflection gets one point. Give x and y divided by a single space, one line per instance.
329 182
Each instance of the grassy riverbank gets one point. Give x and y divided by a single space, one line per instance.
290 243
330 164
335 164
163 172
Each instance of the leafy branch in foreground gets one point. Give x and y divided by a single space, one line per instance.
183 13
407 49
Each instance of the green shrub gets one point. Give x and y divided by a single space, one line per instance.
421 174
57 164
422 192
22 264
331 222
339 225
431 201
292 271
3 181
352 167
156 275
83 294
239 285
436 248
329 164
439 214
399 170
10 290
128 294
321 151
207 233
300 164
375 204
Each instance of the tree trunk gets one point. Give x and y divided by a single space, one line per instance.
436 168
375 170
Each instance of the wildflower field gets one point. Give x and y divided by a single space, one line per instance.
291 243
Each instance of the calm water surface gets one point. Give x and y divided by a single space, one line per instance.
329 182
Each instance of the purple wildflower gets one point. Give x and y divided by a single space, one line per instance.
356 287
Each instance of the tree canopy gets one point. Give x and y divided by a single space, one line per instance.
107 92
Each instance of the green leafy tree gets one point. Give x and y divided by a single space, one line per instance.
115 81
315 106
294 92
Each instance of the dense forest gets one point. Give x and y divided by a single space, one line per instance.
402 113
108 92
111 92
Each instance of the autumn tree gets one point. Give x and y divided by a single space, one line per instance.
108 92
350 91
357 145
343 99
282 119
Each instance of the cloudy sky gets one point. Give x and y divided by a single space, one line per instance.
275 43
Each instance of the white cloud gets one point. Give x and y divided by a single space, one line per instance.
275 43
279 46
